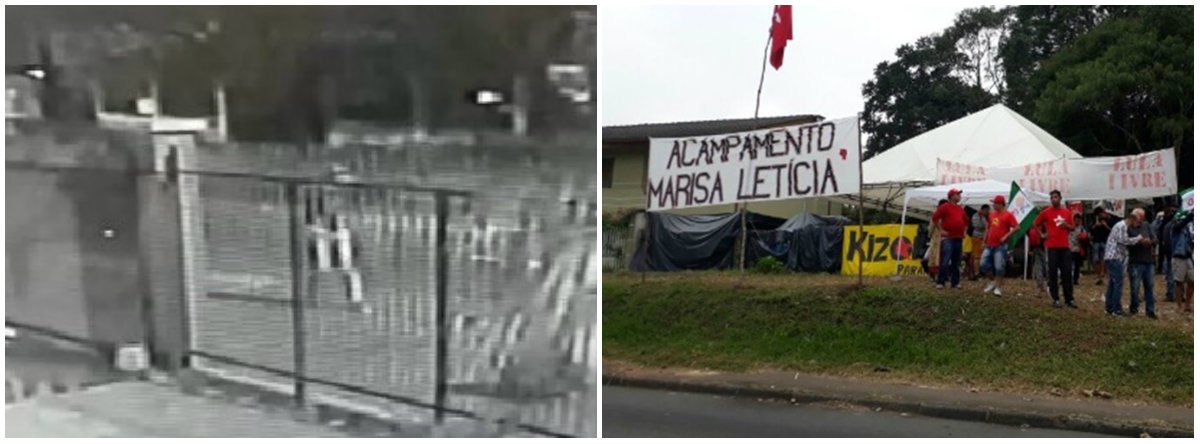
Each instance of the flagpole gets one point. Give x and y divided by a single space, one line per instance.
757 101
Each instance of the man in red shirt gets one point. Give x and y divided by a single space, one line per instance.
1000 225
951 220
1058 223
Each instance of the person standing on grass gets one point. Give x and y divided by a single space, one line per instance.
1115 253
1058 223
1141 265
951 220
1163 233
1037 257
1078 237
1099 231
1000 225
979 227
1183 244
934 252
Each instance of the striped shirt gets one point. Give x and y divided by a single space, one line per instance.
979 225
1118 243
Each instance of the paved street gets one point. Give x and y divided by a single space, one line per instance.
631 412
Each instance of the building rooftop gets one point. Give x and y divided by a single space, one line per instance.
641 132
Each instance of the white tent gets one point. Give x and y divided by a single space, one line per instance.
993 137
974 194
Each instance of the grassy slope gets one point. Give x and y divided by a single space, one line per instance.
819 324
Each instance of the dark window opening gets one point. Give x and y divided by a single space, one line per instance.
607 177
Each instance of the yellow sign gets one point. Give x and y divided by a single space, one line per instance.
881 250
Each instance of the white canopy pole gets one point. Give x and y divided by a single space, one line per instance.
903 215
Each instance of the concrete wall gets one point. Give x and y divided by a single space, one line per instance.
72 232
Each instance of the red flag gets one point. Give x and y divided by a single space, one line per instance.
781 32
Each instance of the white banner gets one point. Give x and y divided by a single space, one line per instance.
1123 177
820 159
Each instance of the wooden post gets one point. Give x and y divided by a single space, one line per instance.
861 200
757 101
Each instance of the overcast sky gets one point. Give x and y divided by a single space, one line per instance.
681 63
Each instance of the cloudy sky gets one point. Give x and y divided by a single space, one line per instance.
679 63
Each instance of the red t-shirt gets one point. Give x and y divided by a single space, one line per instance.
953 219
999 223
1035 238
1056 236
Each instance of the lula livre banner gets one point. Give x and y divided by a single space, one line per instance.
1122 177
819 159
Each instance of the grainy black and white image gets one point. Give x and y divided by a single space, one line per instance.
312 221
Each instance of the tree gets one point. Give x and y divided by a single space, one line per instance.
978 34
1124 87
290 71
1035 34
921 90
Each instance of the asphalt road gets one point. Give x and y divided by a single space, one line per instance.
631 412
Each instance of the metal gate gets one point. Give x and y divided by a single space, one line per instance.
395 301
331 283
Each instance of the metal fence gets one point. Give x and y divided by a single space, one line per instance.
619 246
410 303
420 304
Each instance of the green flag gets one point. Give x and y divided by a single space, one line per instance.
1023 209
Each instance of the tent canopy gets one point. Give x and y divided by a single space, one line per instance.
993 137
974 194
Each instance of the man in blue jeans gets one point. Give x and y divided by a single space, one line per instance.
1000 225
1141 266
1115 253
951 219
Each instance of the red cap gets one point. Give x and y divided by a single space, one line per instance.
998 200
953 191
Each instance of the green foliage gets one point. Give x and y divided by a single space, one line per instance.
1106 80
1035 34
290 71
619 218
923 89
1124 87
769 265
705 322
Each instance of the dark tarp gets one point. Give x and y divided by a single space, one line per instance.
674 242
805 242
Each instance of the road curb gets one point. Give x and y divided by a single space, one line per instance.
1081 423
